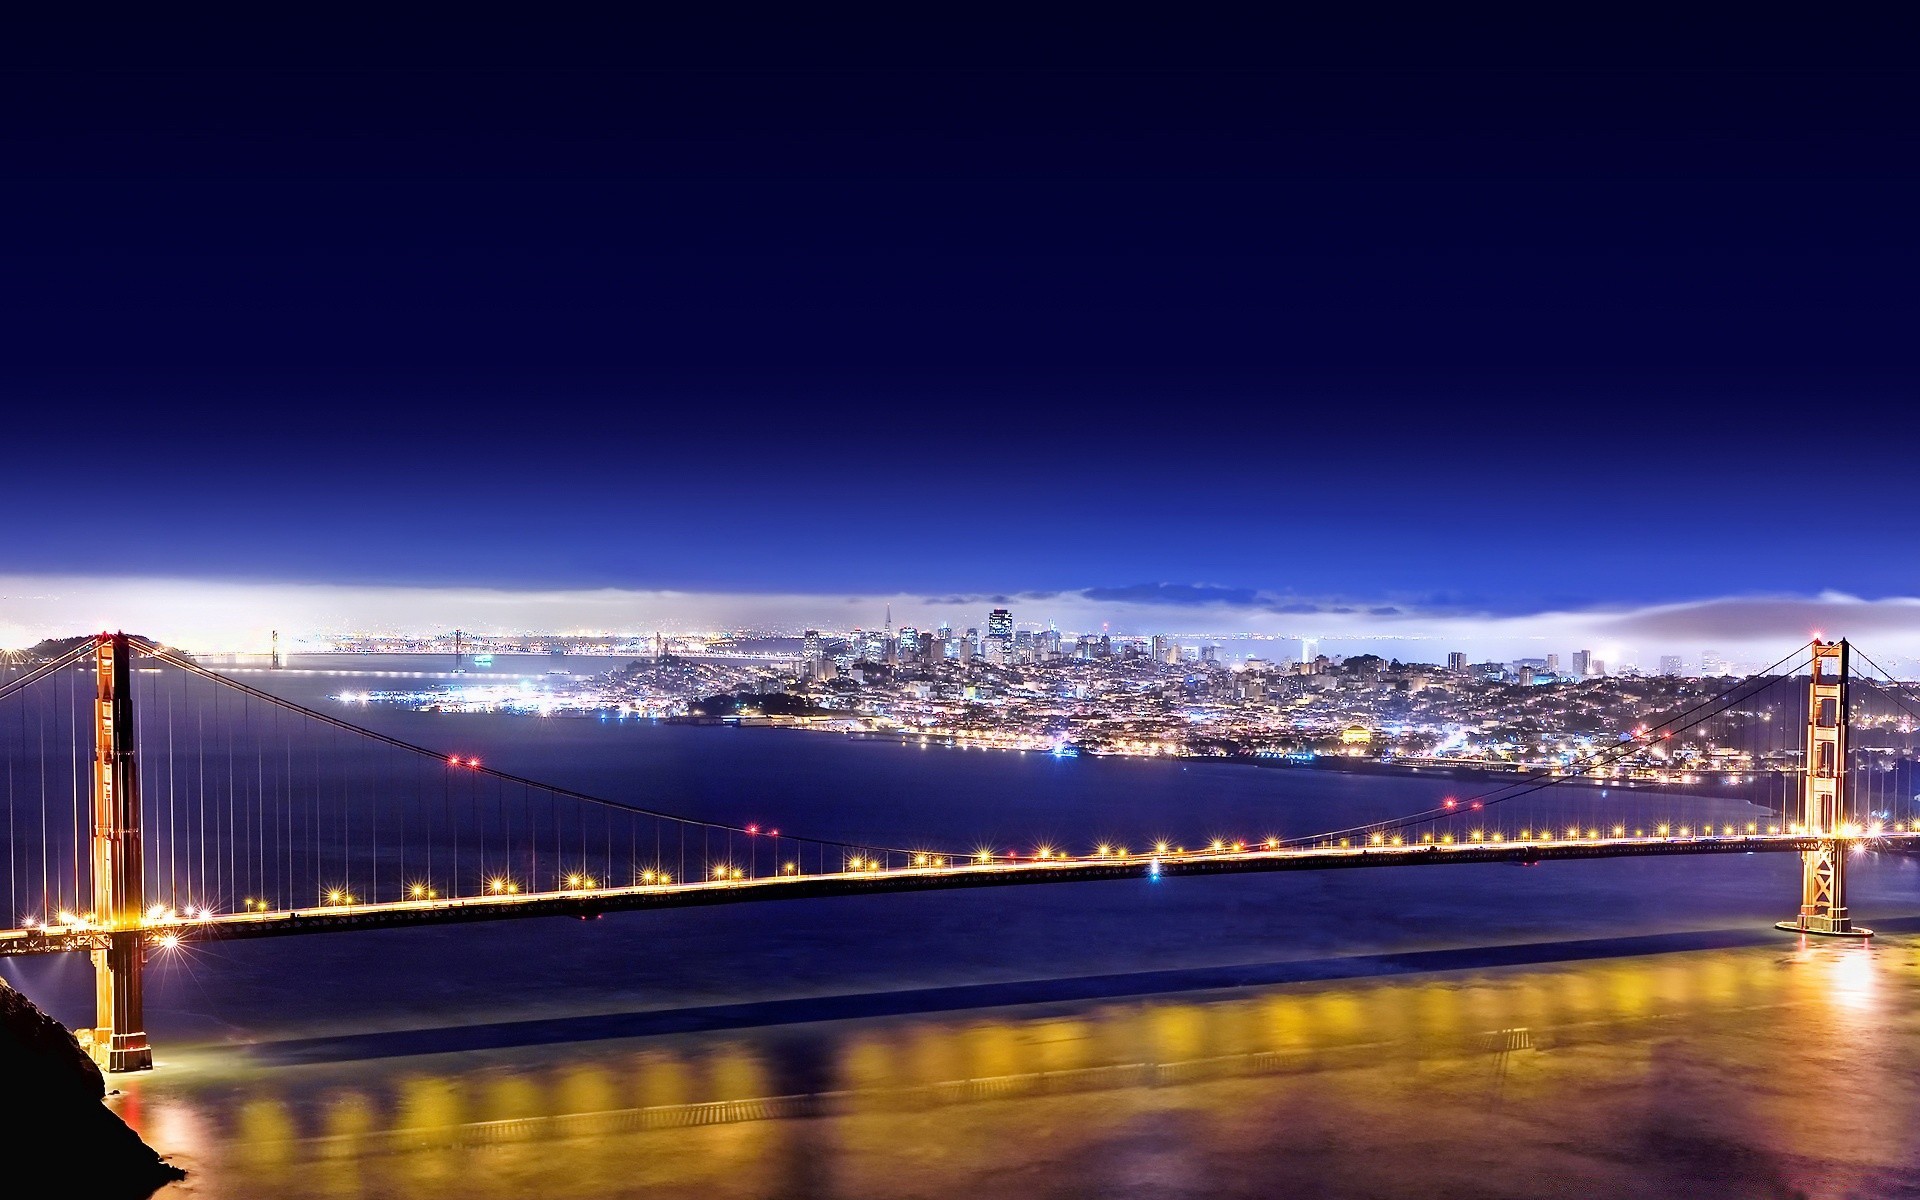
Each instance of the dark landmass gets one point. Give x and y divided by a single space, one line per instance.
51 1112
758 704
53 648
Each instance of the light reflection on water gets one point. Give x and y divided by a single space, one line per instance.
1631 1076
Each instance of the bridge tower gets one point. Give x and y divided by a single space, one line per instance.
1823 801
118 899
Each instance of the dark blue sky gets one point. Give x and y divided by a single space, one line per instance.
1473 337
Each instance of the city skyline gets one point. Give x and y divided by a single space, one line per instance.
221 617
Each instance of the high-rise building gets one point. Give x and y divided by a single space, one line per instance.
1670 664
1553 664
878 646
999 645
1457 661
908 641
931 648
1582 663
1712 664
810 648
1000 623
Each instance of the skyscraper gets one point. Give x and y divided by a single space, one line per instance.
1457 662
908 640
1670 664
999 645
810 647
1583 663
1553 664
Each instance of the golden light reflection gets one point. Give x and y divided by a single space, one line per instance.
1374 1059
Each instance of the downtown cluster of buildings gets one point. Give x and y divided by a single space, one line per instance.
998 685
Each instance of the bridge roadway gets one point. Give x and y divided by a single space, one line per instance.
593 902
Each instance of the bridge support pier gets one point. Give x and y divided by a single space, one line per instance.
120 1033
1823 802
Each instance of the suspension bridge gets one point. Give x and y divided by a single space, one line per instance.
154 802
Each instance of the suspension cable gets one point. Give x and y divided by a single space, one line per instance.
1549 776
185 664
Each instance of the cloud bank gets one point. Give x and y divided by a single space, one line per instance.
216 616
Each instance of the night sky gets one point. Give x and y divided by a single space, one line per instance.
1477 339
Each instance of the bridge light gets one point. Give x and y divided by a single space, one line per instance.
752 830
665 878
1478 835
1398 840
1216 845
1378 839
170 941
1498 836
736 875
1686 831
1753 827
792 868
919 860
67 918
648 876
473 762
573 881
1446 839
1273 843
1450 802
453 760
499 885
335 896
1619 831
1662 831
1159 847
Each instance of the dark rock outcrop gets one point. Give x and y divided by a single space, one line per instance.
51 1111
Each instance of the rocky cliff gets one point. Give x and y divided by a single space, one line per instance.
51 1113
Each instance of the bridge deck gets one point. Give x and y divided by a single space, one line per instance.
591 902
